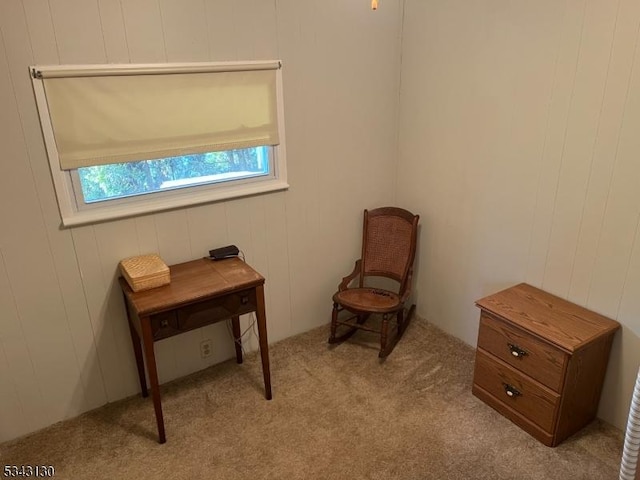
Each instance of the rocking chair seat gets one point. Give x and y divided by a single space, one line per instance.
375 300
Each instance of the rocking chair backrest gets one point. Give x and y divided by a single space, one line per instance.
388 243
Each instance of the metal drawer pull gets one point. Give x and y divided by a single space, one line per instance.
511 391
516 351
244 299
164 323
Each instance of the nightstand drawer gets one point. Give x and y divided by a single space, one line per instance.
523 351
516 391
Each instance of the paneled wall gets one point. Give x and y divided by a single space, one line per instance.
64 344
519 146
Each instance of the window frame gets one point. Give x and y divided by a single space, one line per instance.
73 215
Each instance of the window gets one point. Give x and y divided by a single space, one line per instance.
124 140
113 181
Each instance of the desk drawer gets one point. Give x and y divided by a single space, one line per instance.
538 359
516 391
216 309
164 325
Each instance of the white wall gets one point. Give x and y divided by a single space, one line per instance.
519 147
64 343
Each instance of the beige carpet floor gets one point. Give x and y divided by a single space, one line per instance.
337 413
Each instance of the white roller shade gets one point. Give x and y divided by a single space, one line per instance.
110 116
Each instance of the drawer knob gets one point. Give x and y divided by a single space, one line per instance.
516 351
244 299
511 391
164 323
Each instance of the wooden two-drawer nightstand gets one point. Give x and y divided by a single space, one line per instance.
541 361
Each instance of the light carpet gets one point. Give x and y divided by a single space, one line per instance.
337 413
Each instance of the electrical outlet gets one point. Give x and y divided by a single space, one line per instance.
205 348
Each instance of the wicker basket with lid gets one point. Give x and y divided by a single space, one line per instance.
144 272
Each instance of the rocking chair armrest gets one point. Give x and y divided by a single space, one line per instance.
347 280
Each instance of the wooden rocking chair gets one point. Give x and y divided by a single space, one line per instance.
388 250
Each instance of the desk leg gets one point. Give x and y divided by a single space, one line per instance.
264 345
137 350
150 357
237 337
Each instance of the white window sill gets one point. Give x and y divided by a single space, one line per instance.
182 198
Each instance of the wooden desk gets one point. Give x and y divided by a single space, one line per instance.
201 292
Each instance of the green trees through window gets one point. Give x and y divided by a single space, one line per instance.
106 182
